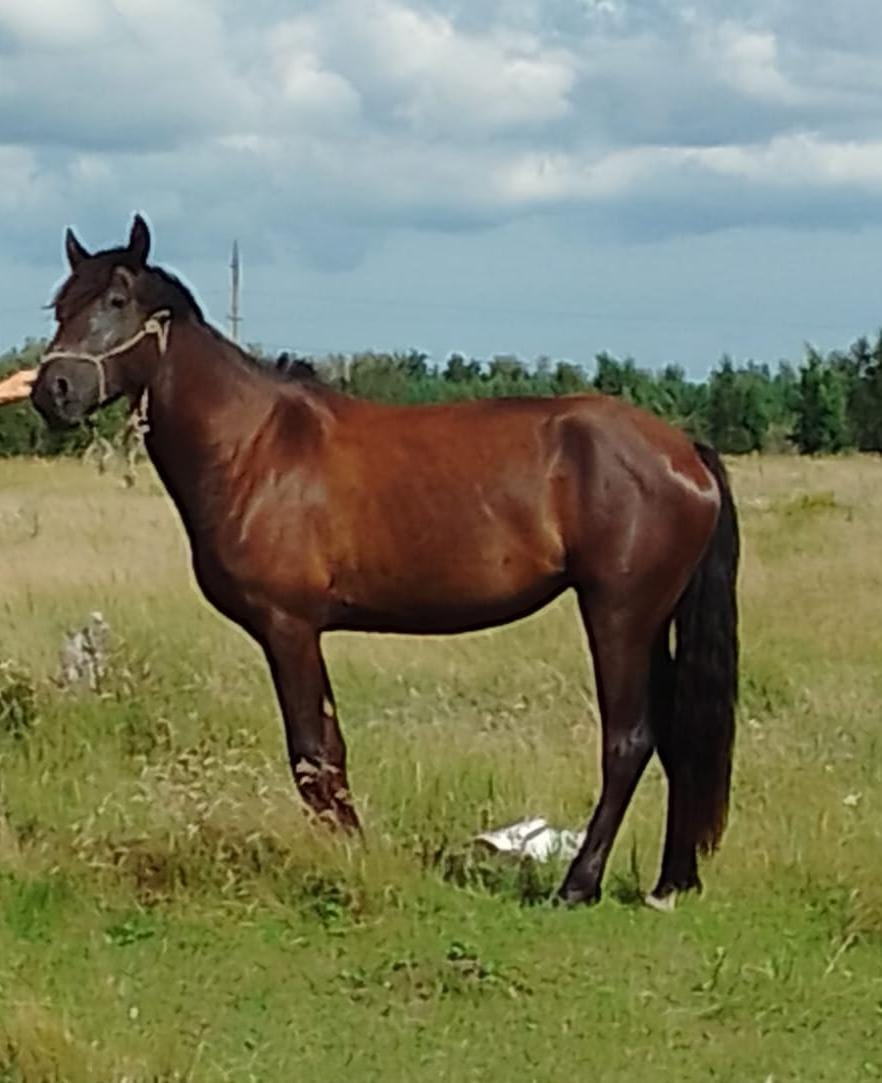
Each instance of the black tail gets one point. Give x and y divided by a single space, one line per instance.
706 672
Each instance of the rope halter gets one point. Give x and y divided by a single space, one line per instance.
159 324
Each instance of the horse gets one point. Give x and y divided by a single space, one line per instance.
309 511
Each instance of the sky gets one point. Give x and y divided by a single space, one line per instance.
663 180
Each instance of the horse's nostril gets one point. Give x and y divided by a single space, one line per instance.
62 385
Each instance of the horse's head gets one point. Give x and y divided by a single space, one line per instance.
109 330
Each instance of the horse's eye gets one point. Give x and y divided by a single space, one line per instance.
117 301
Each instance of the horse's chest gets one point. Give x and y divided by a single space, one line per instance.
243 567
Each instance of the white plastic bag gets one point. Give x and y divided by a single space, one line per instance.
533 838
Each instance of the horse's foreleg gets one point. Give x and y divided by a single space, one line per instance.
316 750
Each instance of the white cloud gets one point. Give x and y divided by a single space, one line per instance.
421 71
748 60
18 178
799 161
302 124
52 24
127 74
313 93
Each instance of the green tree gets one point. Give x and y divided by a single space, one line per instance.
821 421
861 371
738 411
568 379
625 379
459 371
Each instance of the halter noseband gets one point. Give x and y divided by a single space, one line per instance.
159 324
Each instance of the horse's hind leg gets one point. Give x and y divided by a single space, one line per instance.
622 652
316 750
679 868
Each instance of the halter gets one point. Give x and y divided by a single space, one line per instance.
159 324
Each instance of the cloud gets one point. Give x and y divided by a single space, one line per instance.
122 75
317 129
50 24
748 60
432 78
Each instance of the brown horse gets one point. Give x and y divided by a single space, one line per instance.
308 510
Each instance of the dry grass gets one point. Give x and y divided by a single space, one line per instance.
37 1047
151 851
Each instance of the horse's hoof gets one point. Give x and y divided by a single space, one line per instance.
574 896
663 904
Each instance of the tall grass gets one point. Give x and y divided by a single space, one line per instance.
167 913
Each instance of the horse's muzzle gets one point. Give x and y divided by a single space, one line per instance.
61 395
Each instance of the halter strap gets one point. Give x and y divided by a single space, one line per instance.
159 324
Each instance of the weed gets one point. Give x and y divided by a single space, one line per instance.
18 701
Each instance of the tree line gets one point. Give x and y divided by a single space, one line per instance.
826 403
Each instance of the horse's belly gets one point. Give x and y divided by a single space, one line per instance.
434 617
400 572
461 590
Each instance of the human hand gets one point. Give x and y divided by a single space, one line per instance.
18 386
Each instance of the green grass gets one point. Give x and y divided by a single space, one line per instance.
166 913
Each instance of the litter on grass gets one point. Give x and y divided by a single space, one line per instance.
84 654
533 838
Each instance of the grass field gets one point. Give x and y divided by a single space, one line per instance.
167 914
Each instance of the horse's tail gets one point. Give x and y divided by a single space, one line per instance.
705 675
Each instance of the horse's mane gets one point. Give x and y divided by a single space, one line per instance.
161 289
268 370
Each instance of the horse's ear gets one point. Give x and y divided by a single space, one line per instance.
74 250
139 240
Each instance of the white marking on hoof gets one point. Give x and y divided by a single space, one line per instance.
663 905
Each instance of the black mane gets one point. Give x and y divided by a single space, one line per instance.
295 368
296 372
160 289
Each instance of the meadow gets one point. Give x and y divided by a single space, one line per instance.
168 914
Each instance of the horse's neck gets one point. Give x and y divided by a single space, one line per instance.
205 410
